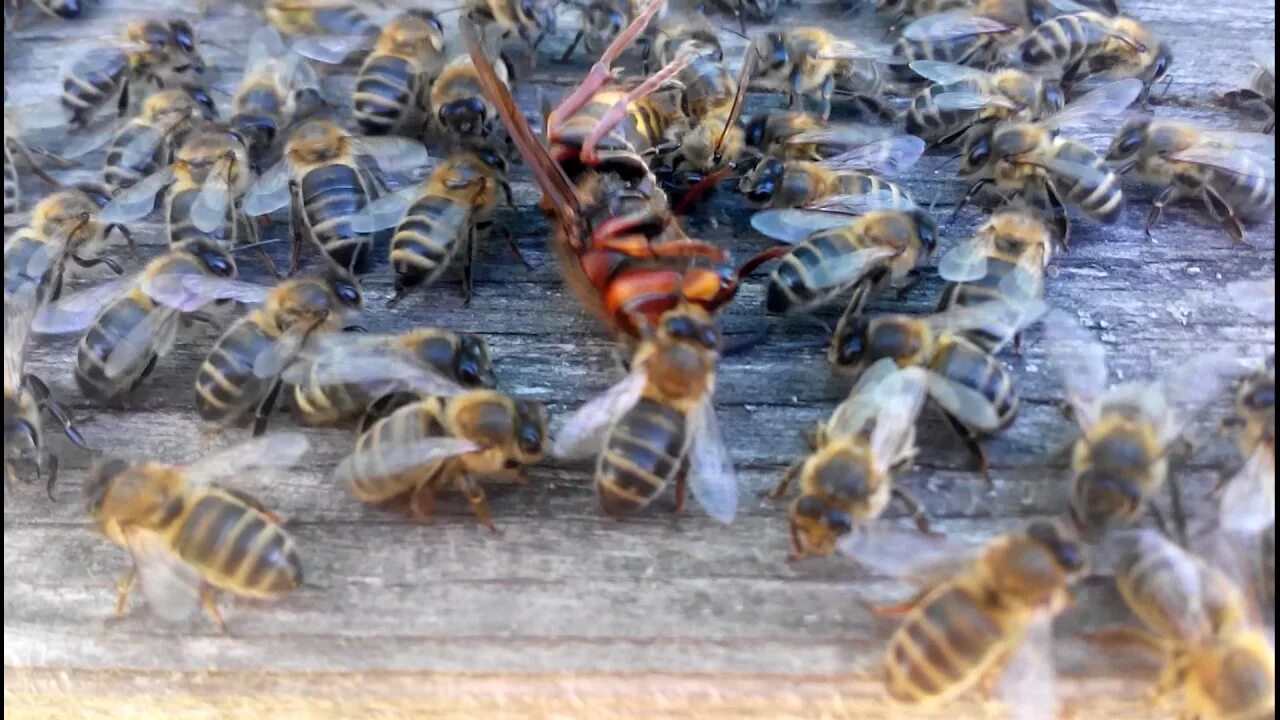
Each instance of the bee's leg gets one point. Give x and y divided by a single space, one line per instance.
1157 208
511 243
618 112
210 605
1224 213
45 400
263 413
1176 508
468 264
682 487
1124 635
794 100
122 102
479 505
973 445
828 86
1158 518
602 71
95 261
506 192
423 501
1058 215
741 11
784 486
899 609
973 191
250 228
124 587
568 53
1270 127
797 547
918 514
296 228
26 154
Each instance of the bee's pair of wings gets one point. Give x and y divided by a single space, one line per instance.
887 400
965 96
795 225
393 156
968 262
171 584
710 474
334 48
208 212
1246 154
378 361
1081 363
388 210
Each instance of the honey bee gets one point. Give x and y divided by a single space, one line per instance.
769 133
1198 619
1232 173
602 20
130 323
992 619
278 86
531 20
61 9
1260 97
658 423
458 102
190 536
1003 262
325 178
776 183
1247 502
446 442
880 246
1092 44
973 389
159 52
241 375
440 220
1033 160
809 60
1121 460
340 377
964 97
332 18
65 226
754 10
846 483
971 36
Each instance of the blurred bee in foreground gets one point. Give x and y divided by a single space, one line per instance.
847 482
241 376
278 86
1232 173
809 60
443 219
1198 619
189 534
1247 503
130 323
658 423
776 183
1031 159
1093 45
325 18
990 620
1121 460
602 21
963 98
158 52
342 378
61 9
436 443
1260 97
532 20
326 179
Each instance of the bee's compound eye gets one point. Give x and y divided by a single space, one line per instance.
347 292
184 35
839 522
979 152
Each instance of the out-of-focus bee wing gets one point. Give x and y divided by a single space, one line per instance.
584 431
209 211
1080 361
964 100
393 154
91 139
1264 53
1248 503
75 313
138 200
272 362
153 335
892 551
277 450
1110 99
852 415
1015 313
952 24
886 155
265 45
25 117
188 292
901 397
844 50
965 262
386 211
1256 297
963 403
945 73
1256 143
1029 683
795 225
330 49
368 364
170 584
711 476
1193 384
269 192
141 148
846 135
1244 163
862 203
395 459
848 268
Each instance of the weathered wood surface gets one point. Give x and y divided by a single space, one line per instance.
568 612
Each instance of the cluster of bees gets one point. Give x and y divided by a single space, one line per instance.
619 162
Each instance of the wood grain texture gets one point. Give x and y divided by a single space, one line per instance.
567 613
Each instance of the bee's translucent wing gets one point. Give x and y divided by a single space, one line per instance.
393 154
1029 682
396 459
142 147
269 192
795 225
330 49
1256 297
272 361
847 135
585 429
952 24
945 73
26 117
1080 361
1193 384
189 292
965 262
277 450
861 203
170 584
1110 99
965 100
368 364
138 200
1264 53
209 211
386 211
153 335
1248 503
76 312
849 268
91 139
893 551
265 45
901 396
1014 313
711 476
852 415
1256 143
886 155
1244 163
967 405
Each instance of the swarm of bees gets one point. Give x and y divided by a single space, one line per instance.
405 172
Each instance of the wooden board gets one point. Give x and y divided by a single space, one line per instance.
568 613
